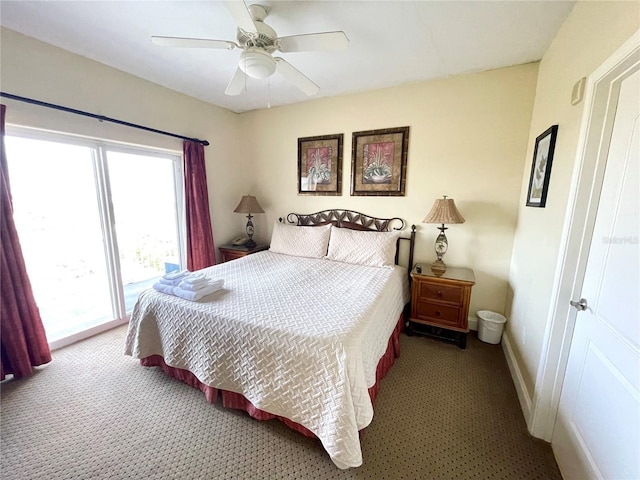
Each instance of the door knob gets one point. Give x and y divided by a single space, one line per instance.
581 305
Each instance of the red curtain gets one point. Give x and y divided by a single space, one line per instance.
22 336
201 251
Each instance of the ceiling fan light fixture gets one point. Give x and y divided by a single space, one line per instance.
257 63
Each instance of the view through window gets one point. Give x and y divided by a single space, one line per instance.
144 205
97 225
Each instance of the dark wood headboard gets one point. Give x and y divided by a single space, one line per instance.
357 221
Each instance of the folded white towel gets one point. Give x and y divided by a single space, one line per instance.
194 295
164 288
193 286
176 275
189 283
196 287
171 283
174 278
195 278
217 284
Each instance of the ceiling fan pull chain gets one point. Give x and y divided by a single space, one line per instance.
269 92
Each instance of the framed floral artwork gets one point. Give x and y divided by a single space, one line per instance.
320 165
379 162
541 168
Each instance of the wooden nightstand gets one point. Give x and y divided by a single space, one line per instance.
440 304
231 252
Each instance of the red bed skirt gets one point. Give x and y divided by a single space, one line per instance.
238 401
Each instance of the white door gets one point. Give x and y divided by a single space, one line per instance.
597 430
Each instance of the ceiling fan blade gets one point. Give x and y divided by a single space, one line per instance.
314 42
293 75
193 42
237 83
241 15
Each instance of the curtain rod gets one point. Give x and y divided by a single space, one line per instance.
101 118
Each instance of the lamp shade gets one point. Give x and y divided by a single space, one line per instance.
444 211
248 204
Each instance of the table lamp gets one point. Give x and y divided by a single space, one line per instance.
443 211
249 204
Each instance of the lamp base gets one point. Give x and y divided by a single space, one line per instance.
438 268
250 243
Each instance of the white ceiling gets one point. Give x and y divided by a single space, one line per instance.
391 42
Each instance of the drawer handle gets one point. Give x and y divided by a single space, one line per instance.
439 293
438 313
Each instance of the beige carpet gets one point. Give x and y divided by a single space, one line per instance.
93 413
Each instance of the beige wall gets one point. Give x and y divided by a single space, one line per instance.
36 70
592 32
468 140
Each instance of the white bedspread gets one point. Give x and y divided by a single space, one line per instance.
298 337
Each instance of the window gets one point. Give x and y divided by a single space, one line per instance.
98 223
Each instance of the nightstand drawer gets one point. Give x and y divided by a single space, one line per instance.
445 293
232 252
229 255
440 303
441 314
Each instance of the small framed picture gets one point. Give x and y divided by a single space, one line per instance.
379 162
541 168
320 165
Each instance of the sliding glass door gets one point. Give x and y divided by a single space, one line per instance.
57 216
98 223
143 193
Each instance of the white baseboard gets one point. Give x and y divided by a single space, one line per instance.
518 380
473 323
76 337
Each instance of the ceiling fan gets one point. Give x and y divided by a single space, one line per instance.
258 42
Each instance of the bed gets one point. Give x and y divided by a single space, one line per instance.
303 332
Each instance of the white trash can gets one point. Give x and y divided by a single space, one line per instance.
490 326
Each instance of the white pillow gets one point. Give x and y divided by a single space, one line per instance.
376 249
300 241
